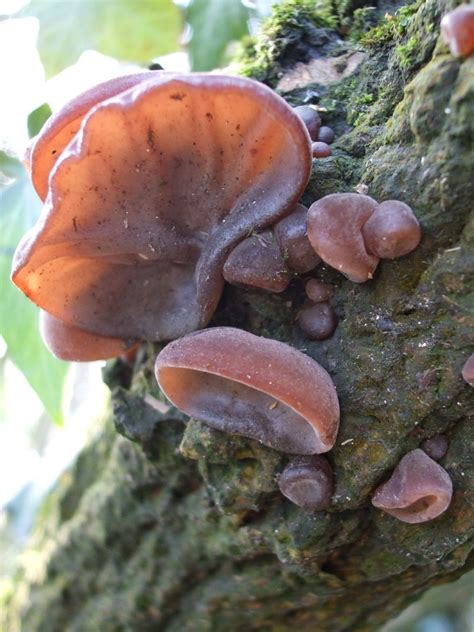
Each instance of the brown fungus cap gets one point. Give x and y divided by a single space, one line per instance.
60 128
335 231
391 231
252 386
256 262
75 345
294 244
145 202
308 481
457 29
317 291
318 321
310 118
418 490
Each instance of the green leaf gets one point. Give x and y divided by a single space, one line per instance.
19 208
214 24
37 119
124 29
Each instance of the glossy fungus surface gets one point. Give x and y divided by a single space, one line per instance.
391 231
335 232
150 195
252 386
326 135
436 446
457 29
256 262
291 235
318 291
310 118
74 345
317 322
418 490
321 150
308 481
468 370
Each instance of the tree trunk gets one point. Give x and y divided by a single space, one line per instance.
177 527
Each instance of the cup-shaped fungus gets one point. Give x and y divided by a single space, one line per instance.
74 345
457 29
146 201
418 490
308 481
256 262
252 386
335 232
391 231
290 233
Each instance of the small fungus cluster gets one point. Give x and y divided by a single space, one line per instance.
146 216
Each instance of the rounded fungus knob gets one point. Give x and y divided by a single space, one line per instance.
457 29
252 386
256 262
468 370
391 231
291 235
418 490
318 292
152 186
310 118
436 446
335 231
321 150
75 345
326 135
308 481
317 322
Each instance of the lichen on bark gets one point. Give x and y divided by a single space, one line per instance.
175 526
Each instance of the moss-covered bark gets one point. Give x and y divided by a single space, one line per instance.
179 527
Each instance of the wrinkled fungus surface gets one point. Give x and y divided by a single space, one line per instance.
74 345
146 201
253 386
335 232
308 481
418 490
457 29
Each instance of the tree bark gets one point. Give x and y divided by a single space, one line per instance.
177 527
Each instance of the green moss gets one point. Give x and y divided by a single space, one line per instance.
393 27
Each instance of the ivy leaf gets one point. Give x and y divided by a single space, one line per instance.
214 24
19 208
37 119
124 29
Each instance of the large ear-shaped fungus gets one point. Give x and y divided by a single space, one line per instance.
418 490
335 232
145 202
256 262
308 482
256 387
74 345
